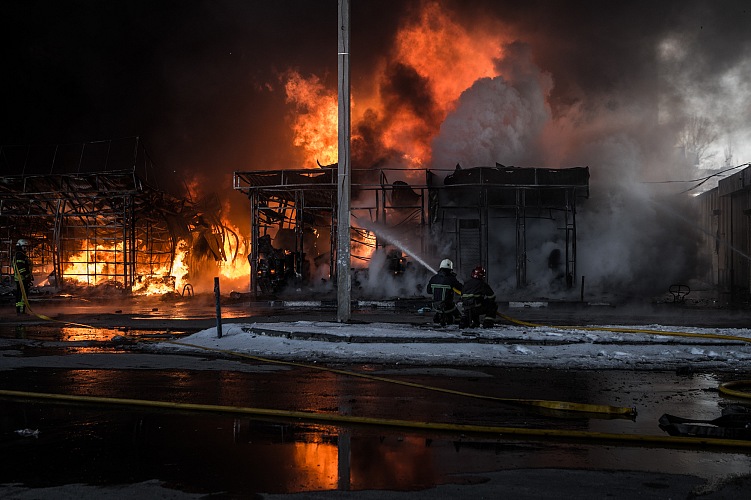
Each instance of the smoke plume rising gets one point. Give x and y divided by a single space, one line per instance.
624 118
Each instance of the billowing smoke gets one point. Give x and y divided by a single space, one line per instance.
498 119
630 239
639 93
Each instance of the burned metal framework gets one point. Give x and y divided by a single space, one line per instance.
468 204
304 202
440 205
98 217
89 223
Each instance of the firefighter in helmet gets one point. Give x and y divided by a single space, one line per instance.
443 286
22 274
478 300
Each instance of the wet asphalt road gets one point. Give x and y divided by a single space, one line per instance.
236 457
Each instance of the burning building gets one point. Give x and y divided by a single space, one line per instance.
297 209
475 216
97 222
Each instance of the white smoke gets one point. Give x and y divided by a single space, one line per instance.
626 243
380 281
497 119
694 82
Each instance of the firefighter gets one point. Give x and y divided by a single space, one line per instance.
22 274
478 299
443 286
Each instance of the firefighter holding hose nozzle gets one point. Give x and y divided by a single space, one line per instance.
22 274
443 286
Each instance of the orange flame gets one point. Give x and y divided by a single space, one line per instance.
99 264
315 125
239 267
439 56
166 285
449 56
94 264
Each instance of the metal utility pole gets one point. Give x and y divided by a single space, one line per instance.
344 181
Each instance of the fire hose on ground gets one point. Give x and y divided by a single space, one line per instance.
337 419
550 405
41 316
726 388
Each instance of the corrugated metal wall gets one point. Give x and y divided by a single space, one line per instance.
726 219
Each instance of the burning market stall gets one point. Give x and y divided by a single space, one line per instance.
297 208
93 223
462 215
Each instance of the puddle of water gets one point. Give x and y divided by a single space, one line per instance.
241 456
56 333
208 453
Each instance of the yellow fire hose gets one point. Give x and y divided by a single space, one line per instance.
41 316
550 405
726 388
334 419
729 388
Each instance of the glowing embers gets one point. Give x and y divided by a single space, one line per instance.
154 285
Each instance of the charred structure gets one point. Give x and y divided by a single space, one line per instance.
298 209
479 210
94 220
460 214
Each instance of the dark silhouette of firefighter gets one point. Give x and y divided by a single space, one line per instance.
443 287
22 275
276 267
396 263
555 265
478 300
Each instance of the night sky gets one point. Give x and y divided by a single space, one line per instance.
200 81
197 81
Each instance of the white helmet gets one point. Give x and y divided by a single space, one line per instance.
447 264
22 243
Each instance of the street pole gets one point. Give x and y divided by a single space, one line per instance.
343 169
217 296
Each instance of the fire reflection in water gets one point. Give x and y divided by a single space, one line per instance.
320 457
316 463
77 334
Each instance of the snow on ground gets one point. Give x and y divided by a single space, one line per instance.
599 347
